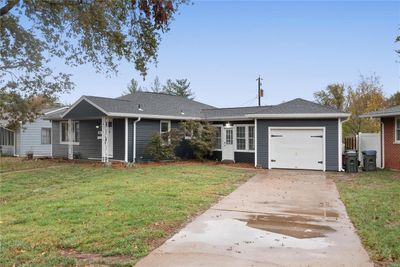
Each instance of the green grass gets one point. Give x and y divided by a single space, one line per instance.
102 210
372 201
8 164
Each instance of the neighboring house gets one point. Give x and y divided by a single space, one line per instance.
298 134
6 140
35 137
390 135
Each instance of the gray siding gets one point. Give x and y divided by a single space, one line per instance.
244 157
144 130
331 141
89 146
29 139
84 110
130 139
118 139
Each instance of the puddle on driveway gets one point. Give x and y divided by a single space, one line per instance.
237 233
295 226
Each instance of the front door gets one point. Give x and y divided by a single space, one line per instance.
227 145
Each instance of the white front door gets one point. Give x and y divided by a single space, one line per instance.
110 138
297 148
227 145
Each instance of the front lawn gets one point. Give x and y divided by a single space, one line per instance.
8 164
372 201
115 216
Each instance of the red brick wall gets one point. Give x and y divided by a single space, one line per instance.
392 151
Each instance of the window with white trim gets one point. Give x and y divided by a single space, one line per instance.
241 138
251 137
64 132
165 127
397 130
218 138
46 136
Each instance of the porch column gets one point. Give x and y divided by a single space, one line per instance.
126 139
104 139
70 140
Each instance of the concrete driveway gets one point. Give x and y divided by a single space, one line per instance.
277 218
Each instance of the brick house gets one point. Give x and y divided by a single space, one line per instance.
390 135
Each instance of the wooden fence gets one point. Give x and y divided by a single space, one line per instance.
350 143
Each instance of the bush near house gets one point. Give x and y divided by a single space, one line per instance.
200 136
372 201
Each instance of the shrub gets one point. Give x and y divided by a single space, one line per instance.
201 136
158 149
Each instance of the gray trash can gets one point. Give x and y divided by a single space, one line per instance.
369 160
351 161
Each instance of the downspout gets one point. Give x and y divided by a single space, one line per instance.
382 145
340 142
134 140
255 143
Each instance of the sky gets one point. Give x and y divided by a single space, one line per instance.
297 48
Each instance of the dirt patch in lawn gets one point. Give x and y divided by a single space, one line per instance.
93 259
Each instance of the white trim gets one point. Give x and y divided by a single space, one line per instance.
298 115
53 111
126 139
52 139
393 114
255 143
246 136
149 116
165 121
383 144
340 163
301 128
396 128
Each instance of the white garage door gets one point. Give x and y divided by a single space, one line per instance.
296 148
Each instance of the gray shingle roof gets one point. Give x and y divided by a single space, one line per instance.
164 105
151 104
392 111
296 106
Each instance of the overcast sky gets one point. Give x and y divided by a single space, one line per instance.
297 48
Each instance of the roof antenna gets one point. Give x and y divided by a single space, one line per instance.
260 91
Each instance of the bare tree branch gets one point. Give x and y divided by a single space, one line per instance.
10 4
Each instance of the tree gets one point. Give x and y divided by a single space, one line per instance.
101 33
333 96
179 88
202 137
366 97
394 100
133 87
156 87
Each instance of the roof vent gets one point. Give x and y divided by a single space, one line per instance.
140 107
182 113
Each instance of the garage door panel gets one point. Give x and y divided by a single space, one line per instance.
297 148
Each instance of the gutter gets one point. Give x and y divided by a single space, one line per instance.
393 114
299 115
134 139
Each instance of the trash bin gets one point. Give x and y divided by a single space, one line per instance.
369 160
351 161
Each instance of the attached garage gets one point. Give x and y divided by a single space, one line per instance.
297 148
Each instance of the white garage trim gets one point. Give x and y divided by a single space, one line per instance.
298 128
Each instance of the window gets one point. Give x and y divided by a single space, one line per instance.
75 132
165 127
46 136
397 133
218 138
251 137
6 137
241 138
